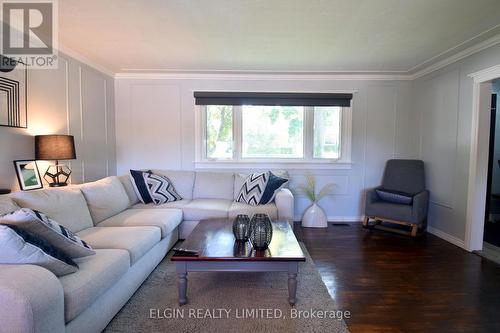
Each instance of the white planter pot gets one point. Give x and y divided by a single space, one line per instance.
314 217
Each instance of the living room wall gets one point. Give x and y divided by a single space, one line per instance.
444 101
155 128
73 99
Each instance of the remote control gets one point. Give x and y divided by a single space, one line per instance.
186 252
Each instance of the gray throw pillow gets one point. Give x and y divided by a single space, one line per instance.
21 247
395 196
39 224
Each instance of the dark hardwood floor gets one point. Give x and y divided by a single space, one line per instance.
391 283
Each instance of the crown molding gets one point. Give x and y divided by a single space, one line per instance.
352 75
77 56
486 74
457 56
409 75
471 42
263 76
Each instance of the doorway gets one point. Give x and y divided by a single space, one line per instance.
492 213
479 153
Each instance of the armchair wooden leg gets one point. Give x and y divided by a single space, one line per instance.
414 229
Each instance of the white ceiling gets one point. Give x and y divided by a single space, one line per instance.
273 35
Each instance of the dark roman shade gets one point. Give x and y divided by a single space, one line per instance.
271 98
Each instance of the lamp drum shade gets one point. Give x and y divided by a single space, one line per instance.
54 147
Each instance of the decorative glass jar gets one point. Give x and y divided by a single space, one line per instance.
241 227
242 249
261 231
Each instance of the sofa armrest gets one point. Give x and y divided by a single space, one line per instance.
31 300
420 206
285 204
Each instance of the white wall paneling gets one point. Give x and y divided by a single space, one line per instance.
94 129
151 125
156 128
444 101
72 99
381 132
438 145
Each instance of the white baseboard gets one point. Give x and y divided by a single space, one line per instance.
436 232
447 237
345 219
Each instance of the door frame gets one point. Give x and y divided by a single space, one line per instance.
479 151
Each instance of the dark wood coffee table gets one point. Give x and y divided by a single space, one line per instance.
219 252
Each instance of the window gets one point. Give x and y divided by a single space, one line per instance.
219 129
268 133
327 132
272 131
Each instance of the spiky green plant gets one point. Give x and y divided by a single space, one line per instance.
309 189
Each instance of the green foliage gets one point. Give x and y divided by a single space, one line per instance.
268 131
272 131
295 126
272 114
219 126
327 132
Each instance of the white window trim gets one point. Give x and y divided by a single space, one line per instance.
308 162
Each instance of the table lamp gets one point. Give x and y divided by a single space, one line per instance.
54 148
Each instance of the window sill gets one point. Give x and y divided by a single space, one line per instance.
289 165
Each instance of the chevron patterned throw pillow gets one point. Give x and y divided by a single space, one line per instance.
160 188
39 224
253 188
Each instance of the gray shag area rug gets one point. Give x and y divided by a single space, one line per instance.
230 302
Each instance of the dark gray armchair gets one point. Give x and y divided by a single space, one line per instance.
401 199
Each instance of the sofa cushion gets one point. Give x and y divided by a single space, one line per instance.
165 219
105 198
174 204
243 208
22 247
129 188
183 181
390 210
7 205
199 209
65 205
49 230
213 185
97 274
136 240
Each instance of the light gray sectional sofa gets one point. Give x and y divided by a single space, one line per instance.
130 240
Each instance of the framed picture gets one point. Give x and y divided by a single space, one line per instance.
28 175
13 94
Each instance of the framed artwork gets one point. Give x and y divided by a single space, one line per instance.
28 175
13 95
